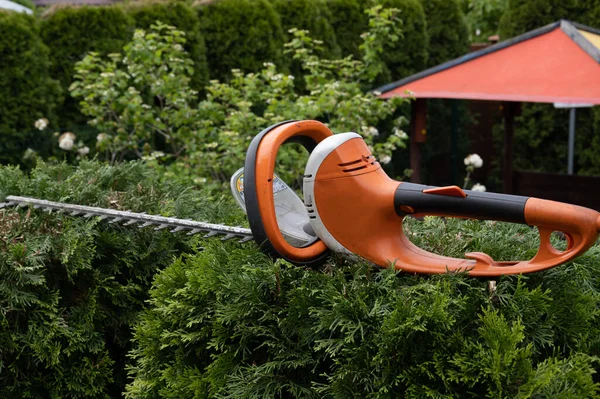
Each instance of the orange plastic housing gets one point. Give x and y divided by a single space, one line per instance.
356 206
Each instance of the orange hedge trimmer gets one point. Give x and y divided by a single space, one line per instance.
352 207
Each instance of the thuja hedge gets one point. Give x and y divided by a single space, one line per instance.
70 33
228 322
71 288
409 54
27 92
185 18
348 20
241 34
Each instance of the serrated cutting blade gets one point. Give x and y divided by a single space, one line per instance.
114 216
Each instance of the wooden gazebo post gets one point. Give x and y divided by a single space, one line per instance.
509 109
418 135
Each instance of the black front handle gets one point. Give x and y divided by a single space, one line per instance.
451 201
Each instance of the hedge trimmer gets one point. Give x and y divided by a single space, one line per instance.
353 208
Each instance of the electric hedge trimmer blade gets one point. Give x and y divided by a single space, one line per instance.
130 218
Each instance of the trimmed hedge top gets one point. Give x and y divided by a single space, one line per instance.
240 34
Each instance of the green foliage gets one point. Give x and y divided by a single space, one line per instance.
70 33
348 20
139 95
145 92
541 140
483 17
240 34
70 287
312 16
230 323
409 54
27 91
447 30
524 15
185 18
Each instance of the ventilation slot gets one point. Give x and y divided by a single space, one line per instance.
350 163
355 169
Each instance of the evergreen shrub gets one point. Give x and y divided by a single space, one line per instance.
240 34
27 92
409 54
348 20
230 323
185 19
447 30
72 287
71 32
310 15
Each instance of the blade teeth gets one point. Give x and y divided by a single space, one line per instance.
146 224
178 228
116 220
227 237
194 231
245 239
162 226
211 234
88 215
131 222
102 217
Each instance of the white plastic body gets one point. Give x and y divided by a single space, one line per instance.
321 151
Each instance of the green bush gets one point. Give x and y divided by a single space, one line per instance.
143 94
185 19
72 32
447 30
409 54
240 34
71 288
483 17
310 15
348 20
27 92
524 15
230 323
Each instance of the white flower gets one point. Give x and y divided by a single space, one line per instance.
101 137
66 141
83 151
376 93
478 187
474 160
477 32
400 133
386 159
41 124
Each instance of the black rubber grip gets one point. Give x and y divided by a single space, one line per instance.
410 198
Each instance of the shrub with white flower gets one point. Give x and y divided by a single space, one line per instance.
83 151
41 124
66 141
472 162
478 187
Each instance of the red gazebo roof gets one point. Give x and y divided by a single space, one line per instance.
558 63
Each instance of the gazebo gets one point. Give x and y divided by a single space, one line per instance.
558 63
